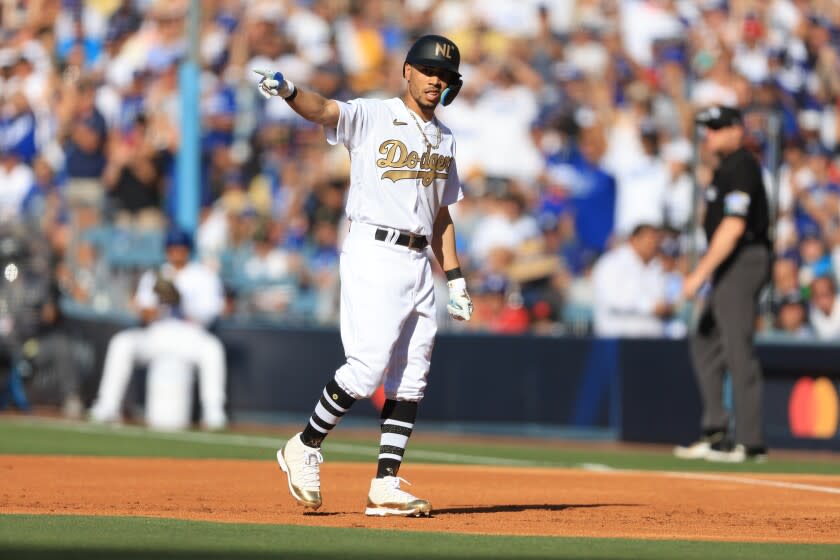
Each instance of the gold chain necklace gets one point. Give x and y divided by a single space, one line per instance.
429 146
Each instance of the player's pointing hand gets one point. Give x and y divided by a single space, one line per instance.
274 84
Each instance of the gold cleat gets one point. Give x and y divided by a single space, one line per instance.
386 498
302 466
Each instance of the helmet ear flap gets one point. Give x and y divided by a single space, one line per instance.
451 92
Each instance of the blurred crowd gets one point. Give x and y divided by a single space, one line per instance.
574 127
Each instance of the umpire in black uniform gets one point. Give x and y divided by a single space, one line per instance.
737 262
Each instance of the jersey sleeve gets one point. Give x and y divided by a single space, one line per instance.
354 123
452 191
205 296
746 180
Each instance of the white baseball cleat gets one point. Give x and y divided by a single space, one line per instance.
697 450
736 454
700 448
386 498
302 465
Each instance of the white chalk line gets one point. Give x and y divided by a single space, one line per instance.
711 477
755 482
241 440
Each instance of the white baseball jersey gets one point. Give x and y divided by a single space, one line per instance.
202 297
399 179
394 181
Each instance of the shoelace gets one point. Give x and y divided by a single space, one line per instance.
394 487
311 473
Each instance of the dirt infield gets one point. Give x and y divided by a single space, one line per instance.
487 500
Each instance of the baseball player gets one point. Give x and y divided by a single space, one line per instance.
402 178
176 303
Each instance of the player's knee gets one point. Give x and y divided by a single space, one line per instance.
359 382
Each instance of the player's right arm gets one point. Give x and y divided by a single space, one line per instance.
308 104
315 108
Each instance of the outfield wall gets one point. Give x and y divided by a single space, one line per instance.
639 390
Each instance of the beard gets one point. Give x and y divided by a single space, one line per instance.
419 96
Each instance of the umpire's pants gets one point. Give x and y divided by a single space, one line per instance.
724 341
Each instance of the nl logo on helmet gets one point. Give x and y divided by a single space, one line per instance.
444 50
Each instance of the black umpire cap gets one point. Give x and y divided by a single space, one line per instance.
719 116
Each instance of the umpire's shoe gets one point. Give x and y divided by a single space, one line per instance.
700 448
728 453
386 498
302 465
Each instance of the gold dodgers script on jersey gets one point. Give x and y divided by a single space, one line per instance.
432 166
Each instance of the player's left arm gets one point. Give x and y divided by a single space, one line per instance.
443 240
460 305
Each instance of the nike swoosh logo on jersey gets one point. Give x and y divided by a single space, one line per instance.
399 123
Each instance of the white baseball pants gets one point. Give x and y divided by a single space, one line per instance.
170 338
388 321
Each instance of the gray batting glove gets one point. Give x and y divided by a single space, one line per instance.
273 84
460 306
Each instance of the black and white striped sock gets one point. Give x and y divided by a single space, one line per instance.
397 424
332 405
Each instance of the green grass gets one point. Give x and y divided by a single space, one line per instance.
93 538
33 436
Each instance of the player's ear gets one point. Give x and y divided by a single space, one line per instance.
404 65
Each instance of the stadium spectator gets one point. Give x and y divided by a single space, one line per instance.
593 198
273 273
814 261
560 99
817 209
501 307
792 316
824 314
85 133
16 179
679 188
504 225
786 272
641 183
134 177
629 288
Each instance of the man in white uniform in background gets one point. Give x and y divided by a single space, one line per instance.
402 178
629 288
184 336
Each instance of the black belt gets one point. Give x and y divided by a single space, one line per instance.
418 242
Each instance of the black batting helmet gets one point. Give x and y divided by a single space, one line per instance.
435 51
438 52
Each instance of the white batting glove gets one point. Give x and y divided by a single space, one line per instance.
273 84
460 306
